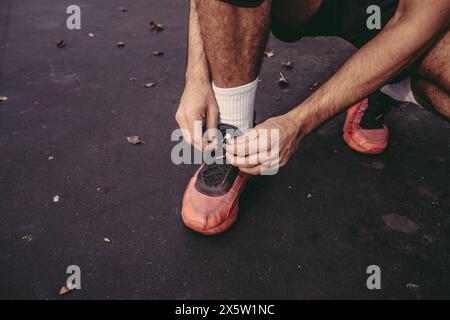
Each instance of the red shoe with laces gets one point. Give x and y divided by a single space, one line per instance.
365 127
211 200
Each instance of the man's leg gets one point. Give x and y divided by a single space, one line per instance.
234 34
234 39
365 129
429 86
431 96
431 83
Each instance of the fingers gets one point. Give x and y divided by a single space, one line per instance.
198 112
254 142
248 138
251 160
254 171
197 129
266 168
254 153
211 123
192 131
244 145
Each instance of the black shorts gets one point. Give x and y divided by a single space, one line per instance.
340 18
346 19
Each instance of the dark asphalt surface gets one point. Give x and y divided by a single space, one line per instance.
309 232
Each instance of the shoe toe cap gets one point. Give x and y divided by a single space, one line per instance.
202 212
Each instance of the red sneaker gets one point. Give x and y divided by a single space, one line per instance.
211 200
373 140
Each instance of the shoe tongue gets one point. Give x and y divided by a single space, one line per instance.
374 116
214 173
228 131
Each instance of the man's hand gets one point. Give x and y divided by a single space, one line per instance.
268 146
197 104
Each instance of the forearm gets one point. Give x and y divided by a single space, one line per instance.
394 49
197 65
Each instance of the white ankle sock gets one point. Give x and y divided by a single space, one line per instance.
236 105
401 91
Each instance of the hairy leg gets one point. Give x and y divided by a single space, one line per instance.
431 82
234 40
435 65
431 96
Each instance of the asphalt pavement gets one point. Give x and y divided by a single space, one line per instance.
309 232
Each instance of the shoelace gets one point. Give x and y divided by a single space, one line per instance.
214 174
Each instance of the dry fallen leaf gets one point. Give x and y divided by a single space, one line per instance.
282 81
61 44
269 53
135 140
400 223
149 84
121 44
288 65
64 290
104 189
158 53
28 237
156 27
3 98
68 288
